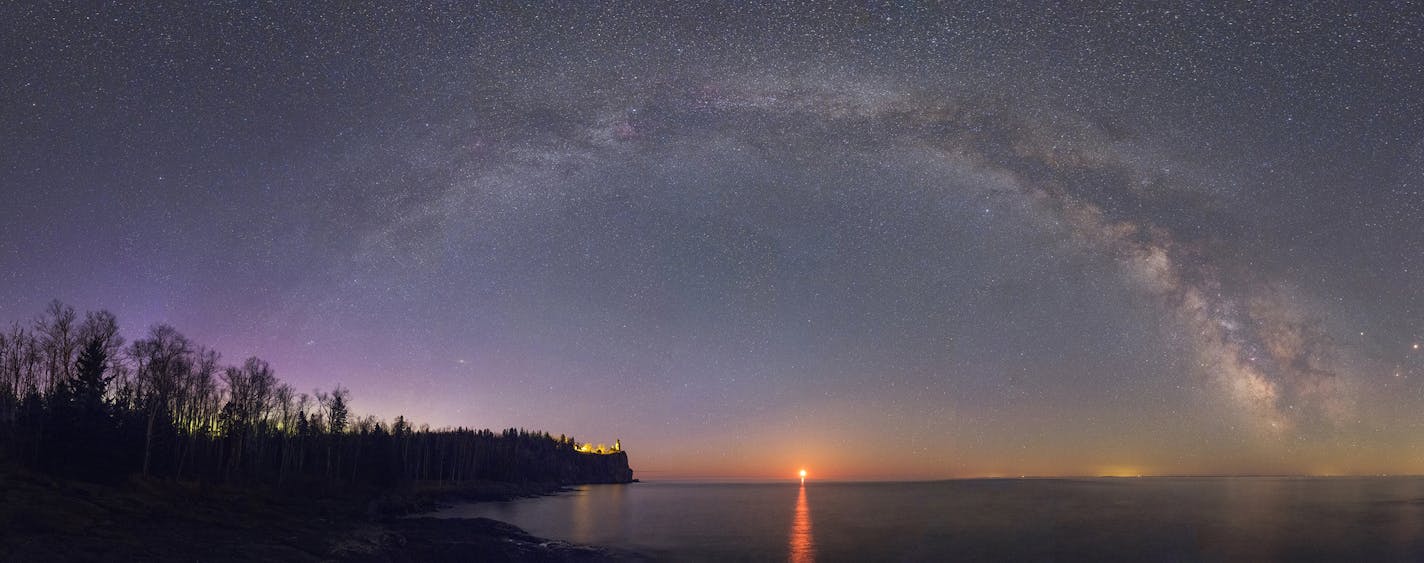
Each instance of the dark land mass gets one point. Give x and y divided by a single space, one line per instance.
158 451
48 519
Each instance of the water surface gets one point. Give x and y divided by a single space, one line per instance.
1160 519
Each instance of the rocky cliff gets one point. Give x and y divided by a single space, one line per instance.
561 465
579 468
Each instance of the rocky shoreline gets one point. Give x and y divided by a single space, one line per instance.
412 538
458 539
44 519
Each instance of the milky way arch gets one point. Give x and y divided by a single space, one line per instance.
1249 336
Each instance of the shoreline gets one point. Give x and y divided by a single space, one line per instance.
46 519
414 534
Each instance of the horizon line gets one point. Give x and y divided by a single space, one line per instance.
766 479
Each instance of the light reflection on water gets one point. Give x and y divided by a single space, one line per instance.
1181 519
803 548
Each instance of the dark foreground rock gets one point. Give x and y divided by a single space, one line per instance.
478 539
44 519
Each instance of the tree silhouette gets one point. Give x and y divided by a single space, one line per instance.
89 381
74 401
336 417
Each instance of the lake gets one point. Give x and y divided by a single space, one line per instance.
1158 519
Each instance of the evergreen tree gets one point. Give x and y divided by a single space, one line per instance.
339 411
89 382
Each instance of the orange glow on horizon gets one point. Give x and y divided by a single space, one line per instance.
803 476
771 461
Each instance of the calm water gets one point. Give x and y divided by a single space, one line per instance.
1157 519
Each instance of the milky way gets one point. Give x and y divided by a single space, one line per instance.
890 242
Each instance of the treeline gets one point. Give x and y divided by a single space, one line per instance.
76 401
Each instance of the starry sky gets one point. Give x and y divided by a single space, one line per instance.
874 240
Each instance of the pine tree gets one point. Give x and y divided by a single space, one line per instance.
89 381
339 412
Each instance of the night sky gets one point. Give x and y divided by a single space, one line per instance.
877 242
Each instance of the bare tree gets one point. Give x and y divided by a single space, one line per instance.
58 340
164 360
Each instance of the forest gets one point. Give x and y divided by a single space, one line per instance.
78 401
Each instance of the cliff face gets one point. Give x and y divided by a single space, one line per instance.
560 465
578 468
